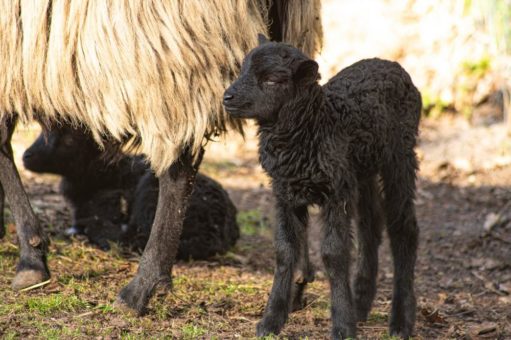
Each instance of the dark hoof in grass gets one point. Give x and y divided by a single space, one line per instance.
133 298
349 332
401 333
269 325
29 277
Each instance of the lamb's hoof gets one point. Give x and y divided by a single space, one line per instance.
362 315
349 332
299 303
402 323
401 332
133 298
269 325
29 277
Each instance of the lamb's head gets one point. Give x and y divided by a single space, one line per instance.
272 75
62 150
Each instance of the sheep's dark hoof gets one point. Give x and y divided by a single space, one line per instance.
31 270
270 324
29 277
339 333
133 298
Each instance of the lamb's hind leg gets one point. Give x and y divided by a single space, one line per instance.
369 223
175 187
31 268
289 238
399 187
304 274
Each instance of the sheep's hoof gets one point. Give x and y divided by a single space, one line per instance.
29 277
133 298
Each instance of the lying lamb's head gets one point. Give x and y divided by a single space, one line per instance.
272 75
63 150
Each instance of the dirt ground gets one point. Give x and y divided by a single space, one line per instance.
463 276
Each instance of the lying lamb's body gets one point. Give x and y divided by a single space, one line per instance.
209 227
116 201
98 192
125 70
330 145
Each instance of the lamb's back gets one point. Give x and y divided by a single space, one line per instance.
377 107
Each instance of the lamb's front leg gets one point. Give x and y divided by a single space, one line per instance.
335 251
175 187
290 236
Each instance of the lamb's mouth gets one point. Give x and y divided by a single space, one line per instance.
236 111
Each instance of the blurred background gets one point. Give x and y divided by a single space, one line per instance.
458 52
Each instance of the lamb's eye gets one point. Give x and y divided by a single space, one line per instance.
270 82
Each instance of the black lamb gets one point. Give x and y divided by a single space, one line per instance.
348 147
99 193
116 201
209 226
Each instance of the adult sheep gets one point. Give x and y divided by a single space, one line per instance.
143 73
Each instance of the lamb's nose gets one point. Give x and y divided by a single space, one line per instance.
27 154
227 97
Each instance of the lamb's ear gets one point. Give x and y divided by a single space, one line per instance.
307 72
261 38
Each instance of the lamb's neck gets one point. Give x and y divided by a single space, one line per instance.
304 119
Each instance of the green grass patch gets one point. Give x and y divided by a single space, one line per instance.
46 305
377 317
252 222
191 331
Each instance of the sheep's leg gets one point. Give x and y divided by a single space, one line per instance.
369 225
2 206
335 252
399 186
289 238
31 268
155 266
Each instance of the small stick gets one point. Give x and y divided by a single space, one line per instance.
37 285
